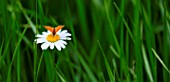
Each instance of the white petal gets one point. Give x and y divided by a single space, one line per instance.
65 35
45 45
62 36
52 46
41 40
65 38
39 36
61 44
46 33
62 32
49 32
58 32
57 46
62 41
68 38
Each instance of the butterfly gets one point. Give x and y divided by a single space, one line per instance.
54 30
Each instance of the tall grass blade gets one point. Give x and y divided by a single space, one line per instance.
39 65
87 69
13 57
147 66
28 19
156 55
109 71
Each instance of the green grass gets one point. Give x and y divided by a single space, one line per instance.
112 41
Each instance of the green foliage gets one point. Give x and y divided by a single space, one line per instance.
112 41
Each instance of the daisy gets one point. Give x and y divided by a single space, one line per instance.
54 37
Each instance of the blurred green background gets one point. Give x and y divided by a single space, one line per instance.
112 41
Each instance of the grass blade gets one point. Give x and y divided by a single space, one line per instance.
1 49
109 71
156 55
114 51
39 65
147 66
13 57
86 67
28 19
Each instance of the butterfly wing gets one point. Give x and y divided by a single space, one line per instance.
51 29
58 28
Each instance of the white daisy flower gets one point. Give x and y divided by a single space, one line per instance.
54 37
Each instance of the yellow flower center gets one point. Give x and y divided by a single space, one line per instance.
53 38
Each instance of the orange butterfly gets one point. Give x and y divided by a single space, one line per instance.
54 30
